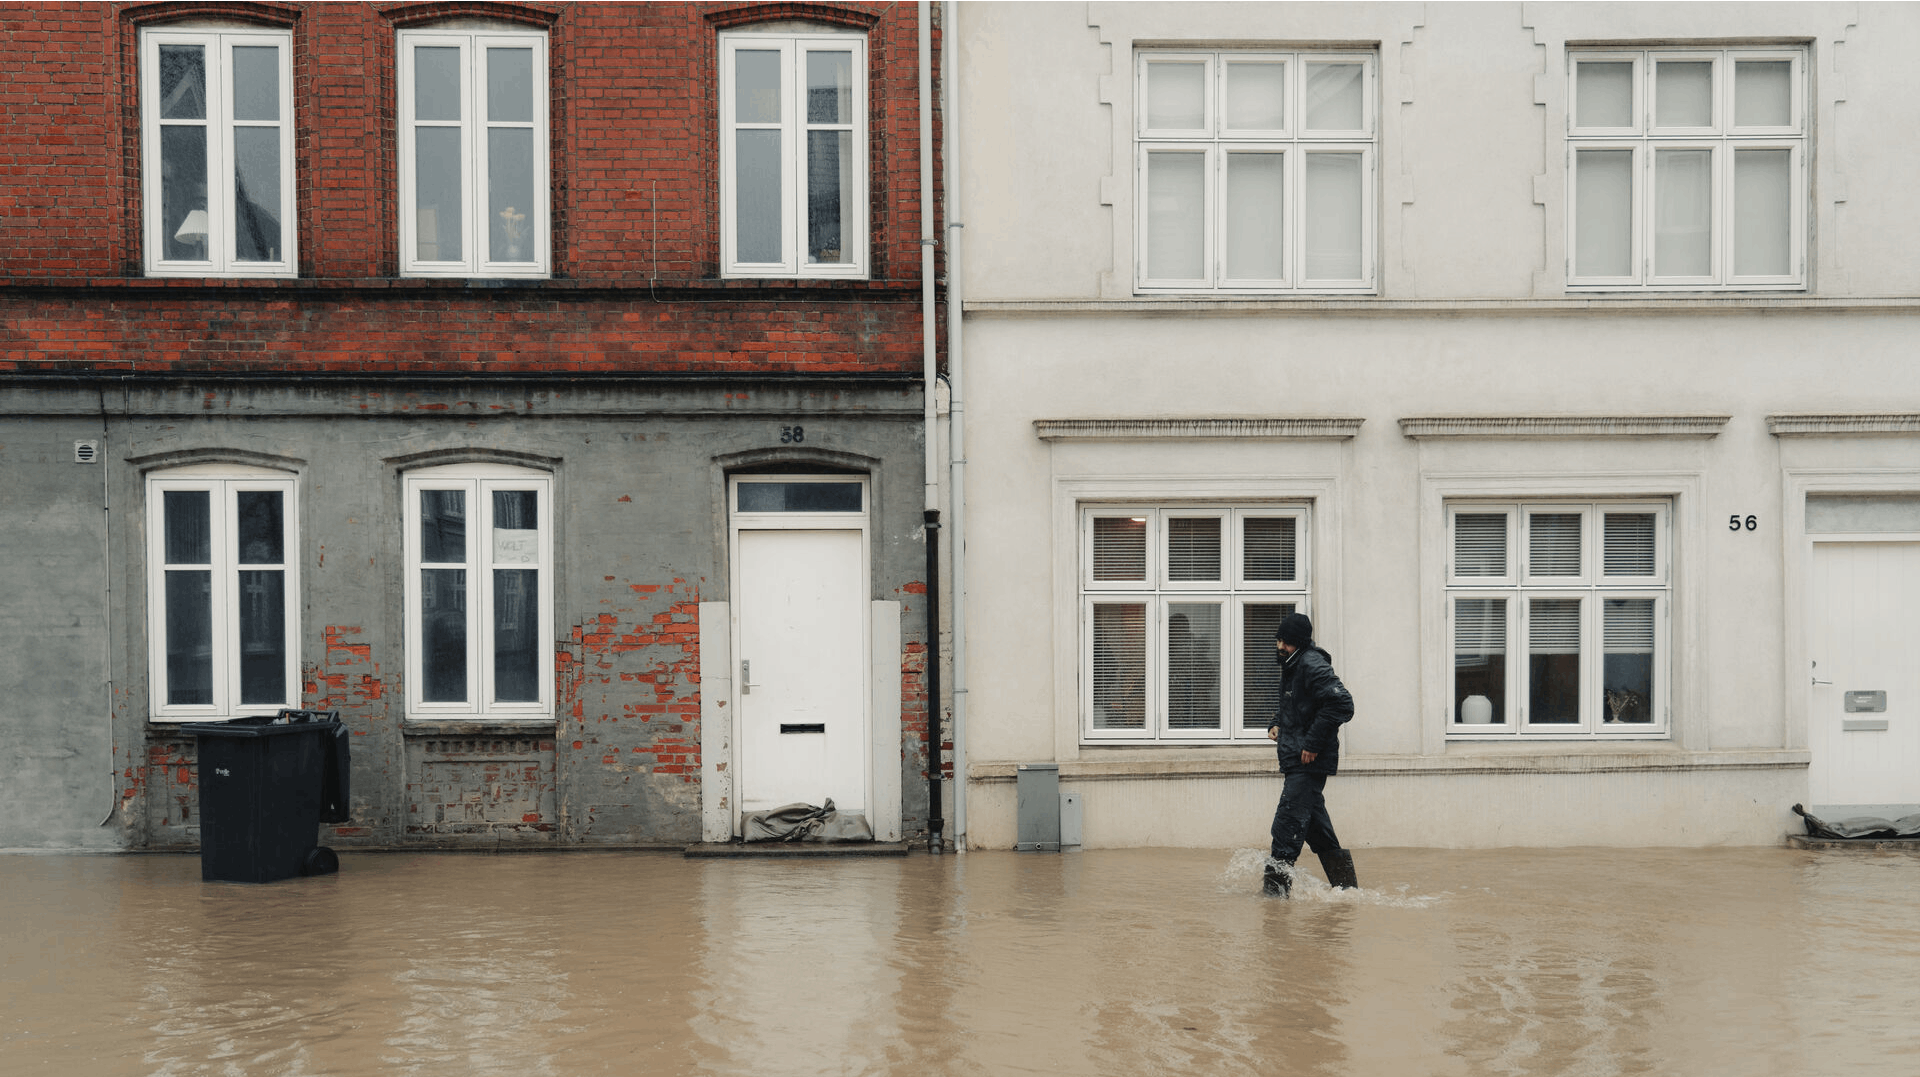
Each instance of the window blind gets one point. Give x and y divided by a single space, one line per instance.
1553 543
1269 548
1120 665
1479 628
1193 665
1193 548
1628 544
1480 544
1119 548
1627 625
1259 673
1553 626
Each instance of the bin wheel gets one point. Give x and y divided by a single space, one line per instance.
321 861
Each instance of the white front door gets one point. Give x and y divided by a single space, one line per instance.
1863 714
802 607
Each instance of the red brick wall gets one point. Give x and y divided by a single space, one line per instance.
634 193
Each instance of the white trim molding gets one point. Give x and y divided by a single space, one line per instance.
1249 429
1781 426
1563 426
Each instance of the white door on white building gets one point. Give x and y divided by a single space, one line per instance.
1863 715
801 614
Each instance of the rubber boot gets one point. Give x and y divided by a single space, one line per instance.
1339 868
1276 881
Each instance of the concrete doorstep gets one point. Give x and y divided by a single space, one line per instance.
797 848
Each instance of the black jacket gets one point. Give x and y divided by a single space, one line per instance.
1313 704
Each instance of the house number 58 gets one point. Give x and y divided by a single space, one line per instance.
1737 522
792 435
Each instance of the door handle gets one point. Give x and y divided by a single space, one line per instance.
746 676
1816 677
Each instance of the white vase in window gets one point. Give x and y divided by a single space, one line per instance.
1476 710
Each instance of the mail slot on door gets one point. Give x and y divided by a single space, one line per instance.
1866 702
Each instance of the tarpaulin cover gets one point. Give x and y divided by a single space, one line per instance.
804 822
1860 826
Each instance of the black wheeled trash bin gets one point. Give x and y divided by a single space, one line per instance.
266 783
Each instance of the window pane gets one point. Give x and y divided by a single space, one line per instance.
256 193
1259 672
1762 212
510 201
800 497
1120 666
183 193
1335 198
1603 93
443 635
183 82
443 527
1480 544
261 527
436 83
256 82
829 87
190 638
1176 213
1269 549
1553 660
437 201
1629 549
1626 676
830 217
1119 548
1603 213
1683 94
757 201
1193 548
1553 543
188 525
516 635
1176 97
1193 665
263 636
756 86
1763 93
1683 213
1336 97
1479 661
1256 96
516 527
510 85
1255 210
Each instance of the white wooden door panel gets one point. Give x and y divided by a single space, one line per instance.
1864 637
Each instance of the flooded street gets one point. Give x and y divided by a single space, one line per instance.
1590 962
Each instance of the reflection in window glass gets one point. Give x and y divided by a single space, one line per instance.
799 497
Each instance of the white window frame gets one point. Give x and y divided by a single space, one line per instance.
1158 592
1722 137
793 127
1295 142
478 482
1594 587
222 214
474 130
223 483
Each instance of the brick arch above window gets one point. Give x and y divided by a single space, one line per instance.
270 14
413 15
178 458
831 14
472 455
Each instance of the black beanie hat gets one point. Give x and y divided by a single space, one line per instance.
1296 629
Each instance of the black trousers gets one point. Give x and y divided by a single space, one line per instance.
1302 818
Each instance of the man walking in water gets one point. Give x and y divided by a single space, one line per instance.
1306 729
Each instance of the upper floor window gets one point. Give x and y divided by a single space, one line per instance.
479 592
1255 171
1688 169
1557 612
1178 607
793 151
216 129
222 592
473 153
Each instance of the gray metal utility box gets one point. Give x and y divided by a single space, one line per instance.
1038 791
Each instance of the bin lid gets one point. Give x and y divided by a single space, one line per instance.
260 725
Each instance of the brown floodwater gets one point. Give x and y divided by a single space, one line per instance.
1563 962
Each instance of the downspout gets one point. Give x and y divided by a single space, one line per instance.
929 341
956 411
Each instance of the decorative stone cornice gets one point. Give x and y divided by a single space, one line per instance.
1193 429
1829 425
1563 426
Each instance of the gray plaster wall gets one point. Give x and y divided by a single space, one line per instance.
640 538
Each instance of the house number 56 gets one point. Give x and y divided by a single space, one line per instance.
1737 522
792 435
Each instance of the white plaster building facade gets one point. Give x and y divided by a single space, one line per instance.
1558 359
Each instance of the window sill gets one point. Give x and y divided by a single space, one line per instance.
1528 758
454 727
663 288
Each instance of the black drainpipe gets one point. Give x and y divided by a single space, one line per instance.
935 824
